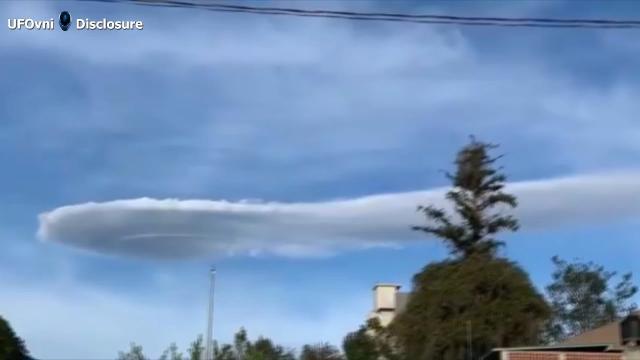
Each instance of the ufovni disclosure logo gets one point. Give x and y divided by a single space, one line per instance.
65 21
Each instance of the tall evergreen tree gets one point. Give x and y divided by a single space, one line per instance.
475 301
476 194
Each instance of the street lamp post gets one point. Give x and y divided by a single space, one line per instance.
209 351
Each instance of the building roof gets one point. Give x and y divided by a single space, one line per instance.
386 285
603 339
607 334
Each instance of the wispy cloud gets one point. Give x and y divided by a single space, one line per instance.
239 96
173 228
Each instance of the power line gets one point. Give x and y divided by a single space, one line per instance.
395 17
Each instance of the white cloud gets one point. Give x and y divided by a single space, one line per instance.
173 228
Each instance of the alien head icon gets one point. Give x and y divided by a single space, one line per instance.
65 20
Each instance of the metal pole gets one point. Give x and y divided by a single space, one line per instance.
209 351
470 340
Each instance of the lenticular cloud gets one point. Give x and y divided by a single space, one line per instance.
171 228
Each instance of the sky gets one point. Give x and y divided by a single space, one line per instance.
291 153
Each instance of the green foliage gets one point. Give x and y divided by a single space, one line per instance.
224 353
241 349
475 196
359 345
476 290
242 344
244 349
493 295
172 353
11 346
134 353
264 349
320 351
196 349
583 297
371 341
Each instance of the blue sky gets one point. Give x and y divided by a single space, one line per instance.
315 117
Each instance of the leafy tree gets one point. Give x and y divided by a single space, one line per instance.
583 297
244 349
264 349
320 351
196 349
241 349
134 353
359 345
11 346
225 352
492 295
371 341
172 353
475 196
241 344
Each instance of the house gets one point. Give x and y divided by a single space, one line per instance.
603 343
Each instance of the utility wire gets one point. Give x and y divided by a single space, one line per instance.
395 17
